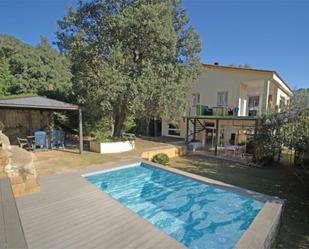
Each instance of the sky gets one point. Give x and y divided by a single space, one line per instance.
266 34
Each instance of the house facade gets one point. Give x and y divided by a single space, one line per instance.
230 91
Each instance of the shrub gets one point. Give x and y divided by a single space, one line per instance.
105 138
130 124
161 158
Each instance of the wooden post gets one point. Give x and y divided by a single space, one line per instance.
256 126
194 129
155 130
80 130
217 136
187 130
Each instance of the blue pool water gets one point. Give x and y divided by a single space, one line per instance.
196 214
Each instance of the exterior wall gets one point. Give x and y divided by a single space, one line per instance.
255 88
182 123
240 85
213 81
243 100
280 94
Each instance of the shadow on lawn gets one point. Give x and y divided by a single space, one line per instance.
272 180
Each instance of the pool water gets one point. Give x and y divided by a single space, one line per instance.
196 214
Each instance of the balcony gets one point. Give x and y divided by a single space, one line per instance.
204 110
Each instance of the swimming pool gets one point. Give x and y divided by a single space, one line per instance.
196 214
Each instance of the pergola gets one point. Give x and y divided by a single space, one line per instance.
199 125
42 104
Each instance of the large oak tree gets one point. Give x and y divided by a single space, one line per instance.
130 57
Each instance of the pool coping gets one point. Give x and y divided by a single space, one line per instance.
261 233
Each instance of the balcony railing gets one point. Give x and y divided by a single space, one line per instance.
203 110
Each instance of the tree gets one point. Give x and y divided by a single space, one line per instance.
7 80
288 129
269 140
39 70
130 57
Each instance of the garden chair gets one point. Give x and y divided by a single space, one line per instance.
23 142
40 140
57 137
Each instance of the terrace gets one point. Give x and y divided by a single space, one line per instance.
60 215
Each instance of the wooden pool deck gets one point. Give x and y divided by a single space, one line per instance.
69 212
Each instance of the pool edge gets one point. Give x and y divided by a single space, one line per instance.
263 230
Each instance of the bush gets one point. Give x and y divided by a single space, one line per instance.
105 138
161 158
130 124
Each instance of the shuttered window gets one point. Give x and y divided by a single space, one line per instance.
222 98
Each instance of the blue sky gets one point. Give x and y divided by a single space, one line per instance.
266 34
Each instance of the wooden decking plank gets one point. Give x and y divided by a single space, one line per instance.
2 223
12 228
67 232
69 212
115 236
65 211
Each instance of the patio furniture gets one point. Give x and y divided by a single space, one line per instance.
40 140
232 148
57 139
241 151
22 142
237 150
195 145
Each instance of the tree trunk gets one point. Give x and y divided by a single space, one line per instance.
120 116
147 121
155 127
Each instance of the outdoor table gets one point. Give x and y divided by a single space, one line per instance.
232 148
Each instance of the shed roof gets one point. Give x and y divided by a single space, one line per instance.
36 102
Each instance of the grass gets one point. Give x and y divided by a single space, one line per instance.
273 180
58 161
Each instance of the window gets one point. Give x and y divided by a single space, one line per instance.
195 99
252 113
222 99
282 102
254 102
173 129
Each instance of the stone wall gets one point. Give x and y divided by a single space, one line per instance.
18 165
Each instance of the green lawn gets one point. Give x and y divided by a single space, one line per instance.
274 180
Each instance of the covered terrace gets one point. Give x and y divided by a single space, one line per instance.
220 132
25 114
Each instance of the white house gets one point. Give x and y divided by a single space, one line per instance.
231 91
